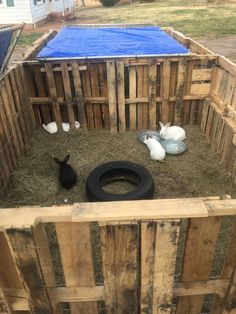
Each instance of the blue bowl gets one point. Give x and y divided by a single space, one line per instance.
174 147
154 134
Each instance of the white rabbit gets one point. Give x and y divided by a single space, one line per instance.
172 132
157 152
52 127
66 126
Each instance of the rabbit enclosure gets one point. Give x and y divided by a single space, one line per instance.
175 253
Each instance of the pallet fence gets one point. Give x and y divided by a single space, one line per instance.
138 248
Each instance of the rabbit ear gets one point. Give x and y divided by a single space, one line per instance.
66 158
161 124
167 125
57 161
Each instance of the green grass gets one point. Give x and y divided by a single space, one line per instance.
26 39
198 21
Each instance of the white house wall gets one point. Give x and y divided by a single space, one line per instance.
26 11
21 12
41 10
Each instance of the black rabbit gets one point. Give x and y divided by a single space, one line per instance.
67 175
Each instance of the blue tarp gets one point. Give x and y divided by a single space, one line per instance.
5 39
76 42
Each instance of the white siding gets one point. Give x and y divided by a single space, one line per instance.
41 10
19 13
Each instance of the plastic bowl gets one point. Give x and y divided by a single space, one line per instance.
174 147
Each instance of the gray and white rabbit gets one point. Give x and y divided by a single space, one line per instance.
67 175
157 152
172 132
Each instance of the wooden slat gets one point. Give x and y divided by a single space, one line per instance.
209 123
179 93
18 107
76 255
204 116
158 254
45 259
140 94
79 94
132 94
187 91
145 108
227 272
14 115
200 89
199 253
97 109
201 75
167 234
231 86
53 95
121 95
23 99
10 125
68 94
173 86
165 79
119 254
8 136
26 260
41 91
152 96
111 81
104 93
9 276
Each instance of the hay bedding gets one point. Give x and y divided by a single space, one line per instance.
198 172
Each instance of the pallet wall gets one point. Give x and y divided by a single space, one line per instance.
138 251
120 95
16 122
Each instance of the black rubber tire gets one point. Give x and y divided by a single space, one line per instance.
132 172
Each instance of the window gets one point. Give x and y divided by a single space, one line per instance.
10 3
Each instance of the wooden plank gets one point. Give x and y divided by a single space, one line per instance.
231 86
223 85
201 75
200 89
152 96
227 65
173 86
104 94
5 131
68 94
24 100
79 94
204 116
76 255
132 94
165 85
9 276
180 93
26 260
121 95
119 254
26 97
199 253
14 115
53 95
187 91
10 123
18 107
140 94
209 123
87 93
167 234
145 114
111 81
97 109
41 91
227 272
110 211
43 251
